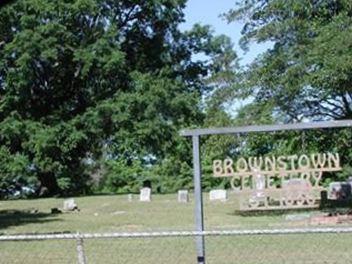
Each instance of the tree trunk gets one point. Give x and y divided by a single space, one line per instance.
48 184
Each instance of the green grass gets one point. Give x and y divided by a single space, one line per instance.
115 213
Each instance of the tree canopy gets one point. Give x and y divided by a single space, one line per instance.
85 84
305 75
93 93
307 72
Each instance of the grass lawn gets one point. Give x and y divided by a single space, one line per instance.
115 213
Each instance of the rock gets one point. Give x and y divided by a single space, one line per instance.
33 211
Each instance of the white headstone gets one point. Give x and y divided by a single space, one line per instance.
259 184
218 195
70 205
130 197
183 196
145 195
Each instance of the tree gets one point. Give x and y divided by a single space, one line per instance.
82 81
307 73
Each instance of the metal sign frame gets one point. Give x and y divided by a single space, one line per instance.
197 171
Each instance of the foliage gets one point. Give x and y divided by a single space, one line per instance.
307 72
304 76
99 88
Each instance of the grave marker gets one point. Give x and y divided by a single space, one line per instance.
70 205
145 195
218 195
339 191
183 196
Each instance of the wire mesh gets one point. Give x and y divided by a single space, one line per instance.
38 251
265 246
278 249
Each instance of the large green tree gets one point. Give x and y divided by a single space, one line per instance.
86 80
305 75
308 72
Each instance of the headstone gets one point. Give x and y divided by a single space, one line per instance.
145 194
218 195
259 184
258 197
70 205
183 196
333 190
339 191
130 197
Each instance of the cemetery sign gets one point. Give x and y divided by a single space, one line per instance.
267 183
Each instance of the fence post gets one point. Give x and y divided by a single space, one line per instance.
80 250
198 200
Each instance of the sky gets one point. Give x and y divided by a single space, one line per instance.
207 12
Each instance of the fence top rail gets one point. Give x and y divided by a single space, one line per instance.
176 234
266 128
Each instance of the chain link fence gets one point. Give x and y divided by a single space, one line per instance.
271 246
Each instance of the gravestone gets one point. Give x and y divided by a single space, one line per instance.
339 191
183 196
333 190
258 196
259 187
259 182
130 197
70 205
145 194
218 195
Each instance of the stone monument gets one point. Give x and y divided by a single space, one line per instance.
183 196
218 195
145 195
70 205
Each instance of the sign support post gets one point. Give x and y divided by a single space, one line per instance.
198 200
196 133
